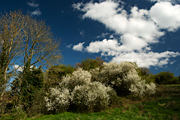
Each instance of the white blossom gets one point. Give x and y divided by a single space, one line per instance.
57 99
78 77
92 95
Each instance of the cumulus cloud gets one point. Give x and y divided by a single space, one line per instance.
78 47
137 30
146 59
102 46
167 17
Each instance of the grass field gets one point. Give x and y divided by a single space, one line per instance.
165 105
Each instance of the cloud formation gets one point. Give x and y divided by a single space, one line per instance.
36 12
32 4
78 47
167 17
137 30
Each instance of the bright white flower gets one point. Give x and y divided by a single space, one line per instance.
57 99
93 96
78 77
123 76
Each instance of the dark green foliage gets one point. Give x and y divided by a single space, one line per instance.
55 73
38 104
32 81
89 63
145 74
164 78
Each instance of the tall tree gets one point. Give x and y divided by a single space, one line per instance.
21 35
40 48
11 35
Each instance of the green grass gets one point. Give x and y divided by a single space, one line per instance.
165 105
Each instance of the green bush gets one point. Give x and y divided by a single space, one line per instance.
89 63
32 81
145 74
38 104
55 73
164 78
18 113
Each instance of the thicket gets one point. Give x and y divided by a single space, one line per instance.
166 78
96 89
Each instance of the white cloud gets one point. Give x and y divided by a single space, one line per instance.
138 30
167 17
102 46
36 12
32 4
172 1
146 59
78 47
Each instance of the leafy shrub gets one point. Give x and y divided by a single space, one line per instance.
56 73
31 82
78 77
18 113
164 78
38 104
145 74
89 63
57 100
92 97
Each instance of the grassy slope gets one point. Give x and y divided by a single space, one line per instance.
166 105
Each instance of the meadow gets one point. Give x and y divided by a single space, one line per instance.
165 104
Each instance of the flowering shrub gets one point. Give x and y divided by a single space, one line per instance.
112 73
58 99
78 77
92 97
96 90
123 78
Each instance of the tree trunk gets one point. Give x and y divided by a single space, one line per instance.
5 82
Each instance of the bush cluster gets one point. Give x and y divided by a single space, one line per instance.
166 78
94 90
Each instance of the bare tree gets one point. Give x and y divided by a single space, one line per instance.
39 45
40 48
11 26
21 35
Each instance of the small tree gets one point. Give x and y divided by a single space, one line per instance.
164 78
55 73
27 90
89 63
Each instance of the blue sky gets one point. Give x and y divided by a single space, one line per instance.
144 31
